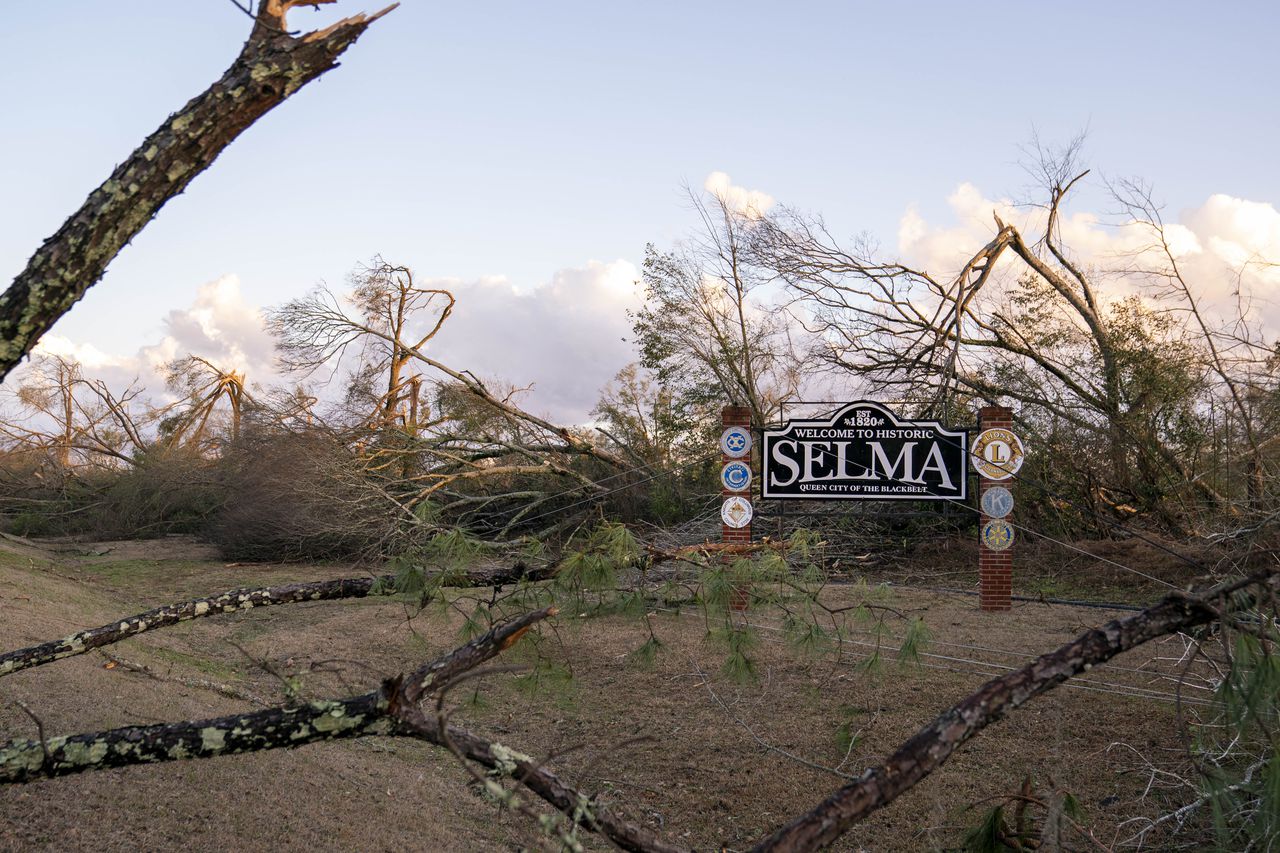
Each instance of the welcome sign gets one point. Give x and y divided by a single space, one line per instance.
864 452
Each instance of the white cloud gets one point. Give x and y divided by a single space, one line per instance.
566 337
218 325
87 355
750 203
1225 247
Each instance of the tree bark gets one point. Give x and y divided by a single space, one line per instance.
530 773
22 761
272 66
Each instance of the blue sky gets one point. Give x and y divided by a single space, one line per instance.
520 140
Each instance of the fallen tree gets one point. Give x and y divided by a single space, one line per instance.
247 598
396 707
393 708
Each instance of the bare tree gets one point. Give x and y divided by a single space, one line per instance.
707 329
1120 381
1235 349
75 419
428 436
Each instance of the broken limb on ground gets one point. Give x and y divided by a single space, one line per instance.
649 743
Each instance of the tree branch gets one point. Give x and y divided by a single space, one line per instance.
271 66
245 598
25 760
934 744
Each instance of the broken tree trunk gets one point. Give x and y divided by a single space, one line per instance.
272 66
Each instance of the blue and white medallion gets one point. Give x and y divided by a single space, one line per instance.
997 502
736 476
735 442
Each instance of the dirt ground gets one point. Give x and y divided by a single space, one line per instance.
712 771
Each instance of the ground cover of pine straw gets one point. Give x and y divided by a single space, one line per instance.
711 771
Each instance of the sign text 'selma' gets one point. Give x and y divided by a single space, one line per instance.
864 452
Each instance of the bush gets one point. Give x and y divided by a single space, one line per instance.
300 495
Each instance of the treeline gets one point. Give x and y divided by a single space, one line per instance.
1145 409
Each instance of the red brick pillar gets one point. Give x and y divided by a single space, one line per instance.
995 568
736 416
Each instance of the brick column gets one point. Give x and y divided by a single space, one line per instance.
736 416
995 568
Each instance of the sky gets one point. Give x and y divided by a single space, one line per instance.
524 154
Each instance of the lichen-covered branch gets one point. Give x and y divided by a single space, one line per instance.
935 743
25 760
22 761
507 762
272 66
245 599
391 709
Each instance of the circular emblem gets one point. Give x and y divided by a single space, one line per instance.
736 512
997 454
735 442
997 502
997 535
736 476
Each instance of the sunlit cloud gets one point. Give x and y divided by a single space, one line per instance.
563 339
1228 249
750 203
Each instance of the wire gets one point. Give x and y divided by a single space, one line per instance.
1077 683
989 664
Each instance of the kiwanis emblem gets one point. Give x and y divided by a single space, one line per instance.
997 502
736 476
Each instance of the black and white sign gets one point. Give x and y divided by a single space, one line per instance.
864 452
